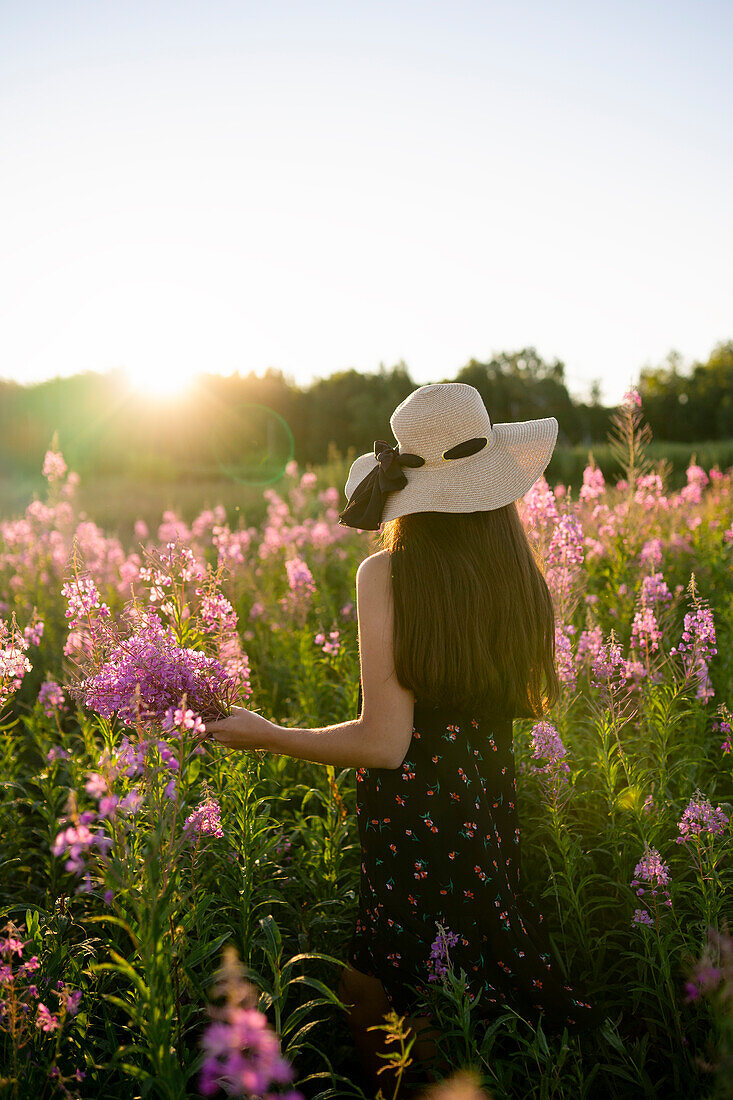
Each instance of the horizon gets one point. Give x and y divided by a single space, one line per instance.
294 188
185 388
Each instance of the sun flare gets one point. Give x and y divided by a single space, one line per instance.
160 381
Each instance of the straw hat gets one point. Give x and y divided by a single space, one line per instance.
449 458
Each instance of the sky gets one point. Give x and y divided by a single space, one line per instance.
322 186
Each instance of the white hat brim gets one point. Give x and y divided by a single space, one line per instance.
507 468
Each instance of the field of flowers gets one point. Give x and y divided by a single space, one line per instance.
174 915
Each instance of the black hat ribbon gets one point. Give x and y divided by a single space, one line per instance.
366 503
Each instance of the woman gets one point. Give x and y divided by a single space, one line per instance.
456 638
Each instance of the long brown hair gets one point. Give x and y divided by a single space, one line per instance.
474 624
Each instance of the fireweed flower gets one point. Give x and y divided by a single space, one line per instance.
589 646
178 719
566 544
650 555
151 660
652 872
724 726
130 758
77 841
539 505
654 590
439 961
13 661
564 656
51 697
300 578
698 645
83 598
235 663
713 972
330 645
301 585
218 615
645 632
96 785
650 491
697 479
594 484
34 632
45 1021
205 820
131 802
546 744
242 1052
699 819
54 466
698 634
609 662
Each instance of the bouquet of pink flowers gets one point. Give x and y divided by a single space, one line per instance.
151 659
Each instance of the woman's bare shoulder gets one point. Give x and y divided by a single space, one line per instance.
374 569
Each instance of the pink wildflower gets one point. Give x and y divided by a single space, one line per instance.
651 553
645 632
242 1052
300 577
700 818
439 960
45 1020
54 466
96 785
564 657
566 545
593 483
539 504
330 645
654 590
205 819
83 598
654 873
51 697
546 743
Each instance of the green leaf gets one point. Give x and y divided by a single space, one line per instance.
272 935
314 983
206 950
308 955
135 1071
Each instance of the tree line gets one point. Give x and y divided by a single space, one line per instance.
103 426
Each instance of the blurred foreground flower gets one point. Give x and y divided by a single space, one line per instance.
242 1051
713 971
463 1085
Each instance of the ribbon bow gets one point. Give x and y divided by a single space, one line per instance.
366 503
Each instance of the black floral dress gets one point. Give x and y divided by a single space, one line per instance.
440 841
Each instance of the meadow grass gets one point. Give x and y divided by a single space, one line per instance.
131 862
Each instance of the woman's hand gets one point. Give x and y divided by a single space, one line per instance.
243 729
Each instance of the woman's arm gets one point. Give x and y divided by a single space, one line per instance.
380 736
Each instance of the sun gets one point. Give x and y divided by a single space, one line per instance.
160 381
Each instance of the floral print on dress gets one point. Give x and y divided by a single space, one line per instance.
440 841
